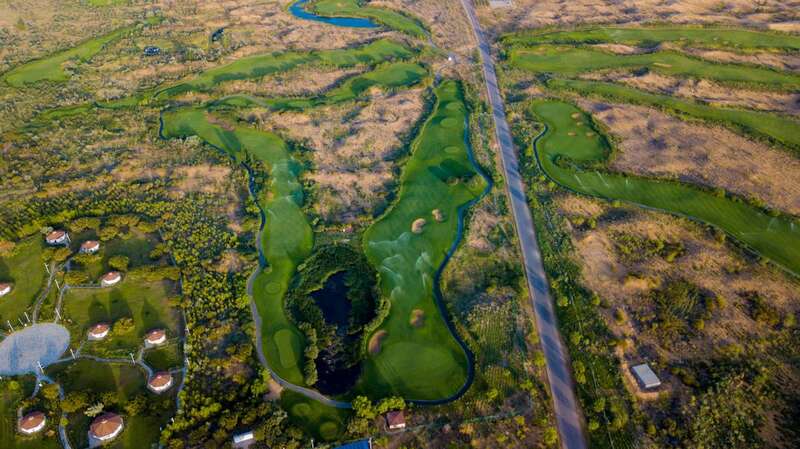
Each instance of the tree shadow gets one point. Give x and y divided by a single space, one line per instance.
118 306
97 311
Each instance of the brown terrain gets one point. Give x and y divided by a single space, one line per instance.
354 149
528 14
652 143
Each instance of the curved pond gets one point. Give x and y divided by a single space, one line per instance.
42 343
298 10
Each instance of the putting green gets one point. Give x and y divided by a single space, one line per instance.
384 16
568 154
287 237
423 362
50 68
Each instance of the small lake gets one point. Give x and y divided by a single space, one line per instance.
332 300
22 351
298 10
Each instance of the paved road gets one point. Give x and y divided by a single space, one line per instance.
568 415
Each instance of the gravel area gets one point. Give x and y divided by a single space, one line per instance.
20 351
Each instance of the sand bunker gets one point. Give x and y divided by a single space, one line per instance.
418 225
417 318
437 215
375 342
20 351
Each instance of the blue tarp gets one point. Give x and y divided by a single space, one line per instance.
363 444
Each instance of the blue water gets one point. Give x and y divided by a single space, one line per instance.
300 12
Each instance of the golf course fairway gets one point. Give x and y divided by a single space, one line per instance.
388 76
257 66
422 362
287 237
571 148
50 68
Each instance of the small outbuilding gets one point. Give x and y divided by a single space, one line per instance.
645 376
244 439
160 382
106 427
32 422
90 247
57 237
99 331
396 420
110 278
155 337
152 50
5 288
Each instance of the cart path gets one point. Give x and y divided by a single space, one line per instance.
569 418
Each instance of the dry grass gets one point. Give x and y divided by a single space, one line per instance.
528 14
354 150
655 144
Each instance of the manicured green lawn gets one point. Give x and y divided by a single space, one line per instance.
287 238
126 381
388 76
24 269
166 357
50 67
779 129
10 400
260 65
384 16
729 39
568 146
145 302
572 61
323 422
422 362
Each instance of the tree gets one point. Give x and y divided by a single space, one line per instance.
74 401
136 405
119 262
94 410
50 392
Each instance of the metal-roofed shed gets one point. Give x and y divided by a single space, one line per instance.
646 377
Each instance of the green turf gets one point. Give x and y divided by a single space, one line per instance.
166 357
261 65
323 422
728 39
287 239
50 68
145 302
572 61
426 362
126 381
568 160
10 400
388 76
384 16
24 269
779 129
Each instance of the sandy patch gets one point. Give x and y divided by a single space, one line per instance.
418 225
417 318
375 342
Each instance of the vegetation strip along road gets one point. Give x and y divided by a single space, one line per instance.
571 149
408 245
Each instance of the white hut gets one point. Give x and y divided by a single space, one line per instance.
646 377
57 237
32 422
106 427
110 278
5 288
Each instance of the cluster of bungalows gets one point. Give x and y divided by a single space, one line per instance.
60 237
